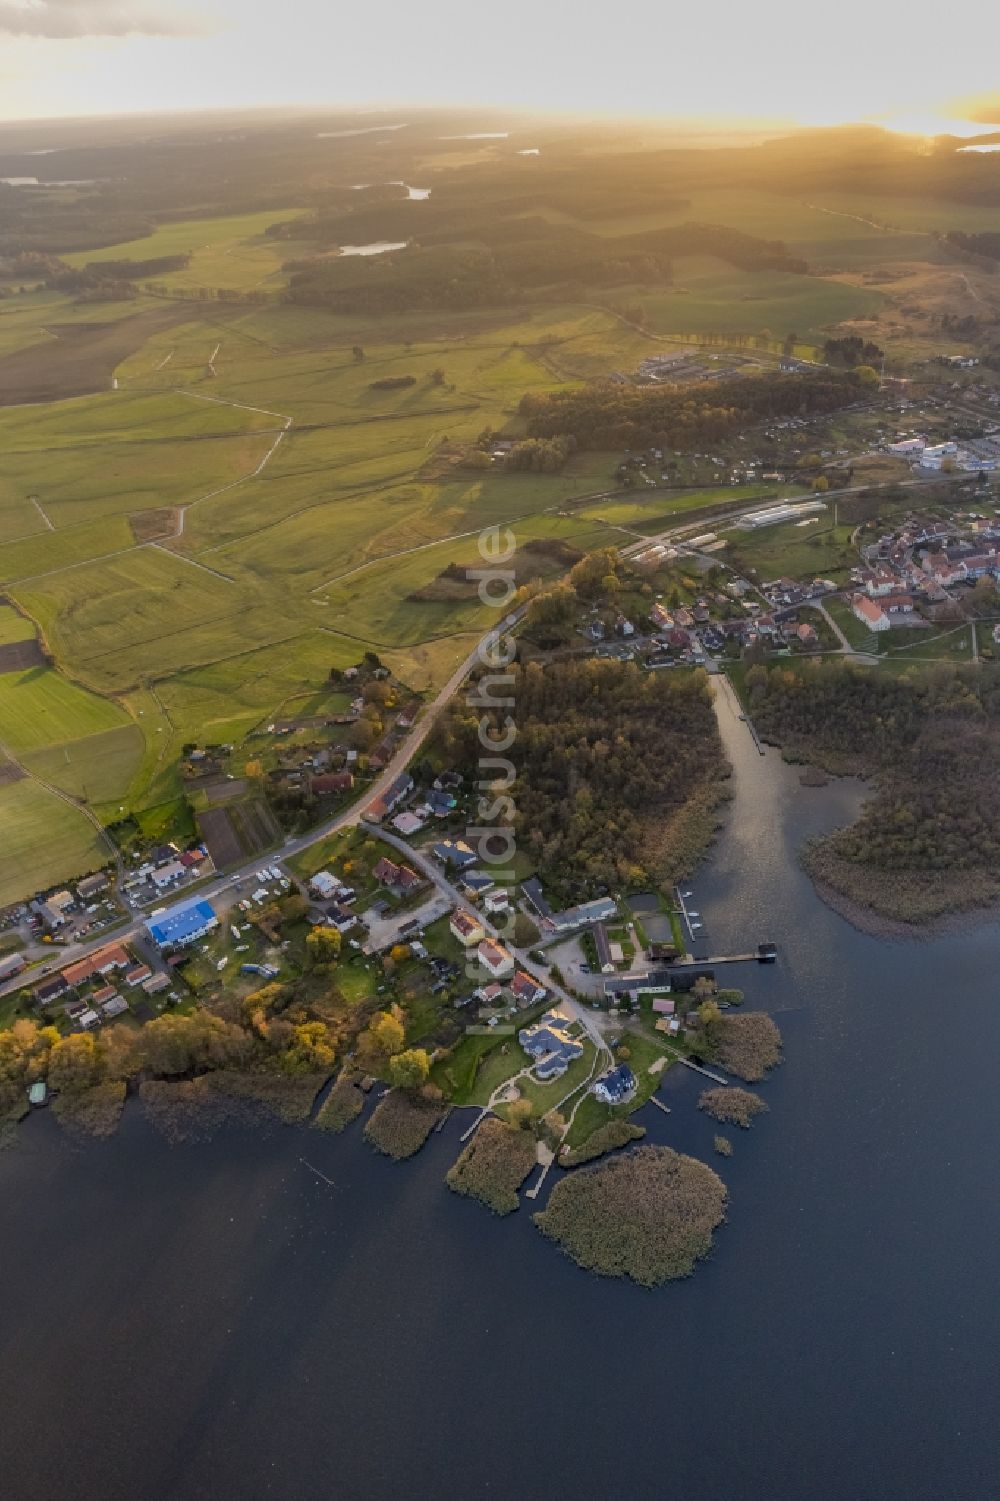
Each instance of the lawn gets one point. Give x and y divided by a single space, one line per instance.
860 637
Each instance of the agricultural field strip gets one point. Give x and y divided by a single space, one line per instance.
80 807
406 552
182 510
223 489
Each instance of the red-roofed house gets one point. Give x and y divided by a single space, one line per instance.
494 958
869 613
466 928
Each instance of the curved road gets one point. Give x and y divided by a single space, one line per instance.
349 818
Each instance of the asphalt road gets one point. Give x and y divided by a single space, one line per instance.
224 887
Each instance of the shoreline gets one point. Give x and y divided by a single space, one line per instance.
893 929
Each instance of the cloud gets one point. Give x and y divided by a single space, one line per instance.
83 18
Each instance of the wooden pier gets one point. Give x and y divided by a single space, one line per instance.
699 1069
755 957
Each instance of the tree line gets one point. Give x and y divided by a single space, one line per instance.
605 755
607 415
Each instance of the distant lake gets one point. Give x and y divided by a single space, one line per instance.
993 146
529 151
34 182
479 135
360 130
377 247
217 1321
414 193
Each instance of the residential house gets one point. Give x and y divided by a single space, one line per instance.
616 1087
466 928
168 875
869 613
475 884
601 909
497 901
331 782
407 823
805 634
880 580
91 885
494 958
381 806
605 963
550 1043
526 990
50 990
454 852
532 891
137 974
440 803
386 872
661 618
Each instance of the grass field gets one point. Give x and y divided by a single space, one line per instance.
188 593
817 550
14 627
40 707
43 840
713 298
225 252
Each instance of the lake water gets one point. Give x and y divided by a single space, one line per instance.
416 194
377 247
179 1324
34 182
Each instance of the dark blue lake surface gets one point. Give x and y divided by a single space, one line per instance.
215 1321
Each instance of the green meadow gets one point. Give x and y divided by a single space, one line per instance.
192 576
43 839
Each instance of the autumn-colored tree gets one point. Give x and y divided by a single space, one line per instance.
384 1036
410 1069
323 946
311 1049
399 952
73 1062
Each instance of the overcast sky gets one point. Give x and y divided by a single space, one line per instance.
857 59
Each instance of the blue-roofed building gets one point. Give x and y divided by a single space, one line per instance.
454 852
178 926
617 1086
550 1043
